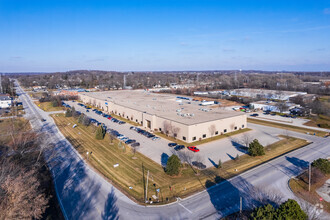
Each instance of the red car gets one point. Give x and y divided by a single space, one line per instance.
109 117
193 148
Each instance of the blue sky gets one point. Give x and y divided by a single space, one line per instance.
61 35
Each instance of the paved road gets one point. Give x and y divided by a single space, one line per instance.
299 122
83 194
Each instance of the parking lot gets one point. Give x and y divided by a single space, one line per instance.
209 154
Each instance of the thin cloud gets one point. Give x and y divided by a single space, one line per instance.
95 60
326 11
228 50
16 58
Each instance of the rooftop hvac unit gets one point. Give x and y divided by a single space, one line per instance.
192 115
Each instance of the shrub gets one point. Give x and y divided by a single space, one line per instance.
255 148
68 113
322 164
173 165
219 164
100 132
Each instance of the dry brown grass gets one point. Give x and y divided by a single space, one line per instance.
300 188
12 125
48 107
287 127
129 172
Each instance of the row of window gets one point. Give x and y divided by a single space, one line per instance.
204 135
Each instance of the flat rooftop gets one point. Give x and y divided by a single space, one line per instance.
164 105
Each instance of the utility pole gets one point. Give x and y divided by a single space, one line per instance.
309 177
0 84
240 205
147 185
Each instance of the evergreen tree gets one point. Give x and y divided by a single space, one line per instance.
255 148
322 164
81 118
290 210
68 113
263 213
173 165
219 164
100 132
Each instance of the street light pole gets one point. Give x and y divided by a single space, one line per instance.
309 177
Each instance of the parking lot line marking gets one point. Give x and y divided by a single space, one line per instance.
185 208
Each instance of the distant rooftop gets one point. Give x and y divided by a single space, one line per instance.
166 106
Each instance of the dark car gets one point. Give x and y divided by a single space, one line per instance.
136 144
254 115
179 147
199 165
87 110
43 120
130 141
172 144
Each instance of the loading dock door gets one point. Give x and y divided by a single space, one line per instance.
148 124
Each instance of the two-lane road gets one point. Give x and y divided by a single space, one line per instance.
83 194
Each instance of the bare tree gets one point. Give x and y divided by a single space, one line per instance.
167 126
212 129
134 148
232 126
246 139
175 131
282 106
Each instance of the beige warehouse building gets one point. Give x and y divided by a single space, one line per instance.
185 119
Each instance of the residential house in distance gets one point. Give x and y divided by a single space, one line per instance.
5 101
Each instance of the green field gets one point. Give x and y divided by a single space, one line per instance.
129 173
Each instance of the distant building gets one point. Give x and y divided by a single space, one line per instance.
270 106
5 101
69 92
265 94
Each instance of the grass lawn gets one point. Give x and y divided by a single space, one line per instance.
320 121
12 125
48 107
129 173
287 127
204 141
300 188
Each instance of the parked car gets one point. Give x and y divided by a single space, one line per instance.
136 144
254 115
155 138
179 147
193 148
172 144
130 141
199 165
87 110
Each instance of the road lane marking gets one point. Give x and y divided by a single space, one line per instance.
185 208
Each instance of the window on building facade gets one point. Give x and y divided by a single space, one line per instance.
204 135
235 128
225 130
184 138
242 126
194 138
217 132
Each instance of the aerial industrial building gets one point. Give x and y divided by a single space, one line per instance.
181 117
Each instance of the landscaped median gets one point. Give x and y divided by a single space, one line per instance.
287 127
129 178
